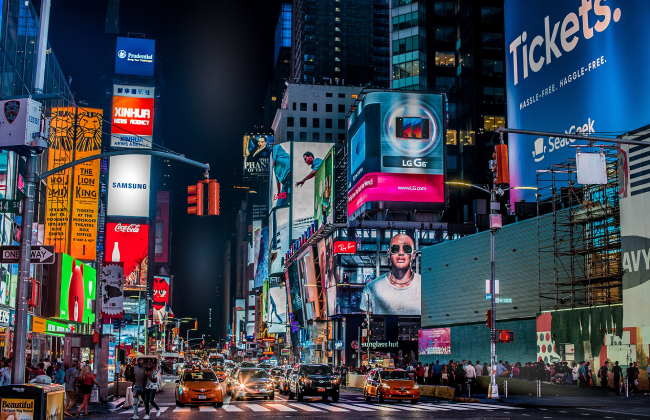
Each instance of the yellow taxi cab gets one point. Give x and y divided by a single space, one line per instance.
198 386
390 384
220 372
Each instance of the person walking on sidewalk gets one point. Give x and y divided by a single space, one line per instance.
436 373
478 368
139 382
602 374
5 374
419 371
151 388
582 375
86 382
632 375
70 380
470 374
618 374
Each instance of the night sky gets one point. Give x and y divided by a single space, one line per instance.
216 58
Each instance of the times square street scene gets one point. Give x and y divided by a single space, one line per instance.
356 208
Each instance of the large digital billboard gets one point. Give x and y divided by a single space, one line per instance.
261 254
162 226
128 243
434 341
397 137
324 190
564 74
160 301
279 237
133 108
277 310
128 186
77 290
134 56
280 183
257 155
306 159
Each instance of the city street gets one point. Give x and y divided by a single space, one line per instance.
352 405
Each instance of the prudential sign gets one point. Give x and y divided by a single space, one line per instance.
572 66
135 56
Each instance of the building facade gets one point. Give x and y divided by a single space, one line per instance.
281 65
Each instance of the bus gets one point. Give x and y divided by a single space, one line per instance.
216 359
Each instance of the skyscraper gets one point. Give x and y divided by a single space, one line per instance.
281 65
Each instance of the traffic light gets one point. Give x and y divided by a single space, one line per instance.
488 318
196 325
499 165
205 198
505 336
213 197
195 196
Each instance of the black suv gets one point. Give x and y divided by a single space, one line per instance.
314 380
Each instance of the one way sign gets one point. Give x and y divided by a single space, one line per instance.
10 254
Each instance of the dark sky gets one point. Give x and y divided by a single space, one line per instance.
216 58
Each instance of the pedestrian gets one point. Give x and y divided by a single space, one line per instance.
470 374
478 368
574 373
515 370
426 374
486 371
5 373
459 377
602 374
419 371
500 368
86 382
582 375
618 374
436 373
139 382
47 363
632 376
59 375
70 380
150 389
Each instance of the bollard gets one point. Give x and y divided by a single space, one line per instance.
539 388
627 389
469 390
505 388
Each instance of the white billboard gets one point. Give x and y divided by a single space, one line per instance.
128 186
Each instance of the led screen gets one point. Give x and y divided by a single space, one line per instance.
77 290
434 341
261 264
279 233
324 190
257 155
134 56
128 243
280 184
277 310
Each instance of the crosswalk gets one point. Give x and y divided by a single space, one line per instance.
321 407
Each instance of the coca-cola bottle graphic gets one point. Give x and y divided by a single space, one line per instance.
158 249
116 253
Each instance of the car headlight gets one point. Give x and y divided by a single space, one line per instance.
241 386
385 385
416 386
335 381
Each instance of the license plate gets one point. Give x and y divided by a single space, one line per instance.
402 393
256 391
321 389
201 397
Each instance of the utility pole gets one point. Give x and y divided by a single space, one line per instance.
20 327
494 389
368 330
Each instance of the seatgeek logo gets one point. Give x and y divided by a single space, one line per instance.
564 35
555 143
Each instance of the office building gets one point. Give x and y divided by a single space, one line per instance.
281 65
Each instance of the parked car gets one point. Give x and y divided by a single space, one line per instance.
314 380
198 386
252 382
390 384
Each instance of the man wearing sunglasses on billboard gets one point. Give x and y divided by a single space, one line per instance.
397 292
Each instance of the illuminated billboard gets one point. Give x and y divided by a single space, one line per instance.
160 301
279 237
434 341
128 186
133 108
324 190
134 56
77 290
261 254
277 310
564 75
161 247
129 243
280 184
307 274
257 156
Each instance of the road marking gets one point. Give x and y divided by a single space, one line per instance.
162 410
354 407
329 407
304 407
403 407
257 407
377 407
432 407
204 408
280 407
231 408
182 410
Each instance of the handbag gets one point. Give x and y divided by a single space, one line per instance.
444 376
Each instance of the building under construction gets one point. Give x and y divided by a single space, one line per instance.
585 241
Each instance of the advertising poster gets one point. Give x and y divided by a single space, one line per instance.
261 256
307 275
278 238
61 152
277 310
257 155
128 243
264 302
133 108
306 159
77 290
112 288
85 186
128 186
574 82
434 341
324 190
111 361
160 302
162 226
280 184
17 409
397 292
134 56
55 406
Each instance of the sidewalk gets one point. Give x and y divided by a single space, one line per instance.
613 401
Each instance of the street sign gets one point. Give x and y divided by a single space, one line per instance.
499 299
10 206
41 254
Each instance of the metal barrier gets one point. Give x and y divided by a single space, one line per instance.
505 388
539 388
469 390
627 388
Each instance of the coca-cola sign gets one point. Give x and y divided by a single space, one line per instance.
132 228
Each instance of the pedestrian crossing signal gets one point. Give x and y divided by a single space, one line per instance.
505 336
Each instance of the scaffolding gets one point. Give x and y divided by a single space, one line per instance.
584 239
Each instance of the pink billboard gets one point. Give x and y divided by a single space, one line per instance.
418 188
434 341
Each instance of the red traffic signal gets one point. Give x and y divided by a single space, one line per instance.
196 197
213 197
488 318
505 336
499 165
205 198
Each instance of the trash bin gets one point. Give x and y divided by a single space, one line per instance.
32 402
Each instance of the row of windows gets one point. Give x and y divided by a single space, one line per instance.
408 69
302 136
328 107
445 59
404 45
445 34
408 20
316 123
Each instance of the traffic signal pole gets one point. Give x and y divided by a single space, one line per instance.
494 390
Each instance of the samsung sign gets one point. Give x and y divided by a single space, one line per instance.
572 66
128 186
135 56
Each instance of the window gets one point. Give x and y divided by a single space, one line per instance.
492 67
493 95
341 108
315 136
328 137
491 14
289 121
314 107
337 29
303 122
337 49
336 9
404 45
294 106
341 124
328 94
491 122
289 135
273 98
445 34
303 136
444 8
316 123
328 123
328 107
337 19
310 57
445 59
337 69
354 96
445 84
492 41
451 140
408 69
341 137
342 95
337 59
303 106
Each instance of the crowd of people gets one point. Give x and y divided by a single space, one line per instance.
146 382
